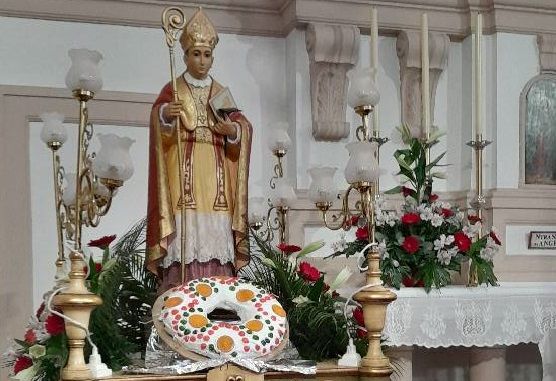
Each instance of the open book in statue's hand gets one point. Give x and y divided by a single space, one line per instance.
223 104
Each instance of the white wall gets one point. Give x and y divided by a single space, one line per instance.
516 63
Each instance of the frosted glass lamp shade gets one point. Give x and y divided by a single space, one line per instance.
257 209
283 194
322 188
113 160
362 164
53 129
278 139
362 89
68 193
84 73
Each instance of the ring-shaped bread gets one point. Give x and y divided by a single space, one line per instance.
181 319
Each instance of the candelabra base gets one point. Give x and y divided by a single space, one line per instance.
78 307
374 301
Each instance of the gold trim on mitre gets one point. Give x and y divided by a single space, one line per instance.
199 31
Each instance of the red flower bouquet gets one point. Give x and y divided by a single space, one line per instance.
42 352
427 239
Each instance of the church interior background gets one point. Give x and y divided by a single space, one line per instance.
286 61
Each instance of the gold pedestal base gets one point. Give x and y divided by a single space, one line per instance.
374 300
78 307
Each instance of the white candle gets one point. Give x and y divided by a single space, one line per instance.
478 78
374 62
425 74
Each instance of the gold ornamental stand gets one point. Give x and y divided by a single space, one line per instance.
479 202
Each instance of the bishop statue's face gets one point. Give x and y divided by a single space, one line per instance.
198 61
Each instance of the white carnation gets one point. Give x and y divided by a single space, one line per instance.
437 220
444 257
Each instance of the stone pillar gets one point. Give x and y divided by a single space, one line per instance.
333 50
547 52
488 363
408 47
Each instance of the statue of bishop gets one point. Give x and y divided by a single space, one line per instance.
216 150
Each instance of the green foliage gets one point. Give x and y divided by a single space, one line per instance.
127 290
318 329
412 161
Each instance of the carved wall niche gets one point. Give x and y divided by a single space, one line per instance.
333 50
538 120
408 47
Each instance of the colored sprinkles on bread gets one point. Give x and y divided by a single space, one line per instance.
259 332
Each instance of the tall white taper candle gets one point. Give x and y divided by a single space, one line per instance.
478 78
374 62
425 100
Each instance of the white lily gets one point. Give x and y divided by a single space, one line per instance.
268 262
37 351
340 279
313 246
300 300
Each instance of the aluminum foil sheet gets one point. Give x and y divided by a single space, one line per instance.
159 359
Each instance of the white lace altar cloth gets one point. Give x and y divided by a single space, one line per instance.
482 316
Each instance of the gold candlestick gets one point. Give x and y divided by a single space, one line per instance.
374 299
278 222
479 202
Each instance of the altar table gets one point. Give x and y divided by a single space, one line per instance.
485 318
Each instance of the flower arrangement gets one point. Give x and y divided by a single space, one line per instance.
117 326
313 307
427 239
43 351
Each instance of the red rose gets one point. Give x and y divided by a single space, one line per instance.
411 244
98 268
354 220
474 219
462 241
30 337
411 219
493 235
103 242
408 281
412 282
54 325
447 212
308 272
22 363
433 197
361 333
358 316
407 191
288 249
362 234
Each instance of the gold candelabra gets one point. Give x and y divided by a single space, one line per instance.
266 224
86 198
479 202
375 298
